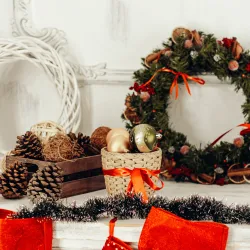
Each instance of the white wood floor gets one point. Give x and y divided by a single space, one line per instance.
70 236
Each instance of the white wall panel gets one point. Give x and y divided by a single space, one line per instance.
119 33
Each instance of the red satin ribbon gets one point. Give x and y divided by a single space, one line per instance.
138 177
174 85
24 234
113 243
243 132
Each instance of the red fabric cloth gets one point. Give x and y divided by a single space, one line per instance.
24 234
163 230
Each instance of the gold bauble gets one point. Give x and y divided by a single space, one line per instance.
117 131
118 144
143 138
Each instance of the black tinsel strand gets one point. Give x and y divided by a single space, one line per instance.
125 207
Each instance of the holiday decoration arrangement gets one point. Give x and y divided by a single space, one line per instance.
180 218
48 163
131 162
184 55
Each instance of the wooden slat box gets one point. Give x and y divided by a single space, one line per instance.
79 176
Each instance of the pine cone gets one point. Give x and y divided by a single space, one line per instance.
131 115
45 184
28 146
14 182
84 142
78 150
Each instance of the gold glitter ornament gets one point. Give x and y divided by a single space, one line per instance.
118 144
143 138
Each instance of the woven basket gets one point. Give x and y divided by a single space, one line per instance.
116 185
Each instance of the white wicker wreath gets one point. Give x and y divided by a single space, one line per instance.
44 56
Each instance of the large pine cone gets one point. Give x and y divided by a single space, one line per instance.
14 182
130 113
28 146
85 144
45 184
78 151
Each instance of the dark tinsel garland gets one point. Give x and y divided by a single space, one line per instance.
125 207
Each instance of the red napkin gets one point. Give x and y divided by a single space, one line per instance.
163 230
24 234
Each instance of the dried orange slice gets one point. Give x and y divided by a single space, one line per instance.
247 177
236 179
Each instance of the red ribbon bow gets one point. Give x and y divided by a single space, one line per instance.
146 86
138 177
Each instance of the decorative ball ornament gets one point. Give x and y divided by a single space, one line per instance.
45 130
184 149
117 131
58 148
98 137
217 58
143 138
145 96
118 144
188 44
171 150
233 65
194 54
182 32
238 142
219 170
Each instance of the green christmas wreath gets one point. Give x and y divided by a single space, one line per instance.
184 55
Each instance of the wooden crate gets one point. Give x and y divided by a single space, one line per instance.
80 176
